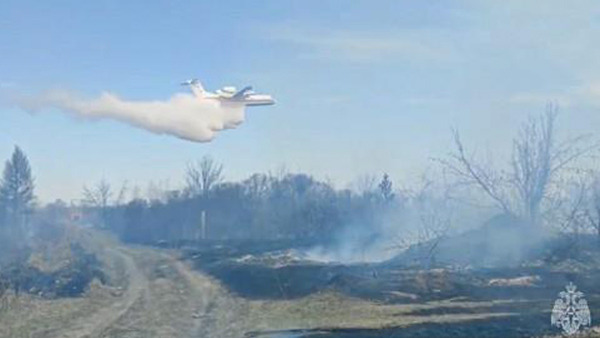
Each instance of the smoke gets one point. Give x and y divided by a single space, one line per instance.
356 244
412 228
183 115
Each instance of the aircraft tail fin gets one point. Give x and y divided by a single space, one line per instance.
195 86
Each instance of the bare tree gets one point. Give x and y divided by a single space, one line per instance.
489 180
365 184
121 196
99 197
203 175
257 186
570 214
434 216
430 216
532 163
592 210
536 161
385 188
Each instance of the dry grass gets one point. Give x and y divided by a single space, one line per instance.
28 315
31 316
333 310
172 300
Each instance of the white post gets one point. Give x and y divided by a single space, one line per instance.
203 224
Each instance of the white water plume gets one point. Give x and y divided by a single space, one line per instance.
183 115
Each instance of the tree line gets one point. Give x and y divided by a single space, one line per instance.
546 182
292 206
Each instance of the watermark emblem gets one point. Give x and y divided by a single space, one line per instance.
571 310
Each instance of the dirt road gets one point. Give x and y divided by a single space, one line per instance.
153 294
163 298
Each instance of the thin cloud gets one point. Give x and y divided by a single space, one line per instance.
587 94
7 84
354 46
540 99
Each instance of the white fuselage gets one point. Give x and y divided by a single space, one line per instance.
248 100
230 95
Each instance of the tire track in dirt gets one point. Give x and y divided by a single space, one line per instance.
219 314
164 297
99 321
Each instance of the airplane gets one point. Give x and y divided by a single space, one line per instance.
230 95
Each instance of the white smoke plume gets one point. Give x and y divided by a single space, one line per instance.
183 115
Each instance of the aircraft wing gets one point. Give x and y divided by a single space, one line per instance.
241 92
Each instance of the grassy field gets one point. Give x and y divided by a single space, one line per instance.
153 293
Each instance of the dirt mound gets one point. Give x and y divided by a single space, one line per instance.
503 241
70 280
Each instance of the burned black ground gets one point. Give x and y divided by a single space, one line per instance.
264 271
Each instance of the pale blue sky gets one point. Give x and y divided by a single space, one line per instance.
362 86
